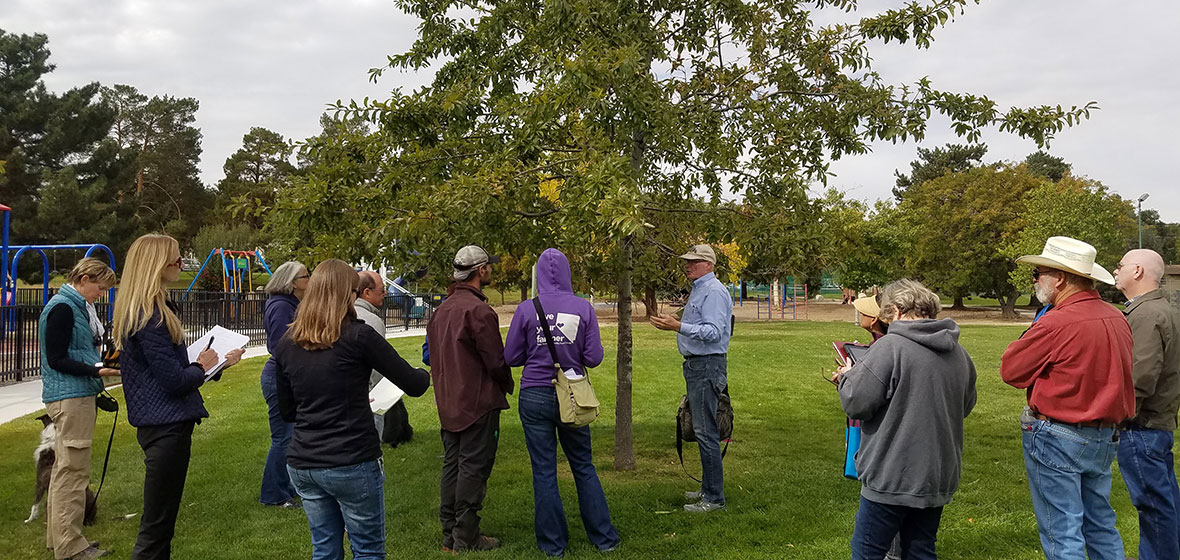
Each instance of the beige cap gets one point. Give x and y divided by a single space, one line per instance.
700 253
867 305
470 258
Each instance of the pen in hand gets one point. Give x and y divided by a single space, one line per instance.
210 345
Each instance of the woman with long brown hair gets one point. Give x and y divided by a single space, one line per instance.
322 375
161 385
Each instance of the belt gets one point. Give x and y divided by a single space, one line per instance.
1093 424
703 355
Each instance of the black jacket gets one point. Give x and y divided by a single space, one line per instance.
326 394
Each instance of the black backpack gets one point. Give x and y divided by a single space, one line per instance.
684 431
397 425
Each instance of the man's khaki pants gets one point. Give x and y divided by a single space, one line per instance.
66 505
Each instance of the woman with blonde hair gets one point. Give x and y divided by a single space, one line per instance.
71 376
286 287
323 367
161 385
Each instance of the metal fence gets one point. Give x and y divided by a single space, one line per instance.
20 348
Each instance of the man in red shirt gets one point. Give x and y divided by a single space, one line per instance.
1075 363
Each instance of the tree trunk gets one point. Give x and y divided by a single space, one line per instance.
958 303
524 292
649 301
624 436
1008 305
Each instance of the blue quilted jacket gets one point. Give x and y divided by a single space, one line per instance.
159 382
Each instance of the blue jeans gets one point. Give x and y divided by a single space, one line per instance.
340 498
276 484
704 379
542 430
1148 467
878 524
1069 479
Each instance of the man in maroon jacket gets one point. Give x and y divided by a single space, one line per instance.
470 382
1075 363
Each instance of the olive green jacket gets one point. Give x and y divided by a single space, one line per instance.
1155 327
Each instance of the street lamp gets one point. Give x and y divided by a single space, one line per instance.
1139 217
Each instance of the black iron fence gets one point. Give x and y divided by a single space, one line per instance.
200 311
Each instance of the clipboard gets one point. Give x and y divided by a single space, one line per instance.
224 341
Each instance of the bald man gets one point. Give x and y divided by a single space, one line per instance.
1145 452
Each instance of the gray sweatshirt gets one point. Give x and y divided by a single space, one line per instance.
912 389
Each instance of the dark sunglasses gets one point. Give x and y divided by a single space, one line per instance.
1037 273
178 264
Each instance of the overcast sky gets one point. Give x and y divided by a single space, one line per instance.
278 64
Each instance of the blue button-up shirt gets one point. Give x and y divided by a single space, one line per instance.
704 328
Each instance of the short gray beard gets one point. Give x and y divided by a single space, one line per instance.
1045 295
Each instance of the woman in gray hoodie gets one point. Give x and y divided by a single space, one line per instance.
912 390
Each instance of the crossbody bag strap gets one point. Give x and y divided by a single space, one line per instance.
548 336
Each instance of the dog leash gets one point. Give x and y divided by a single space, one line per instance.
107 459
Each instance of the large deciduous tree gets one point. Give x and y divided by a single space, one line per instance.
958 224
640 108
1077 207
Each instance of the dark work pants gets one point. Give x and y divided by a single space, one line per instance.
166 453
468 457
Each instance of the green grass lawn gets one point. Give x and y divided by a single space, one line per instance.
786 496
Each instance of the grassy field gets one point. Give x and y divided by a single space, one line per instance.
786 495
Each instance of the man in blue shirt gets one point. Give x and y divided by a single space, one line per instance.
703 339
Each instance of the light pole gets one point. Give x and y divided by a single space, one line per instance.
1139 217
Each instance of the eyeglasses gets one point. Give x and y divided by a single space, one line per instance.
302 277
1036 275
179 263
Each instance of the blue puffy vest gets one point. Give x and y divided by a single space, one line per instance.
55 385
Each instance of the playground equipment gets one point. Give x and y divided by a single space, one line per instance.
235 270
8 267
766 305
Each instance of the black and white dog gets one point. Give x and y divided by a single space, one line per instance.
44 457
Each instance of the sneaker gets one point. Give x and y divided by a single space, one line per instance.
693 496
703 507
90 553
291 503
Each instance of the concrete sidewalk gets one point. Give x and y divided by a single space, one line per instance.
19 399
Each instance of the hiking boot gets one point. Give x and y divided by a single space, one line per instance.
703 507
90 553
485 542
693 496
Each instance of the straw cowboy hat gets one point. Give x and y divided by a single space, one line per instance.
1072 256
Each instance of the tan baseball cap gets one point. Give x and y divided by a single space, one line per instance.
700 253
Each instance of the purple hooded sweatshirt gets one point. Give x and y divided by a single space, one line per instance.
571 321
